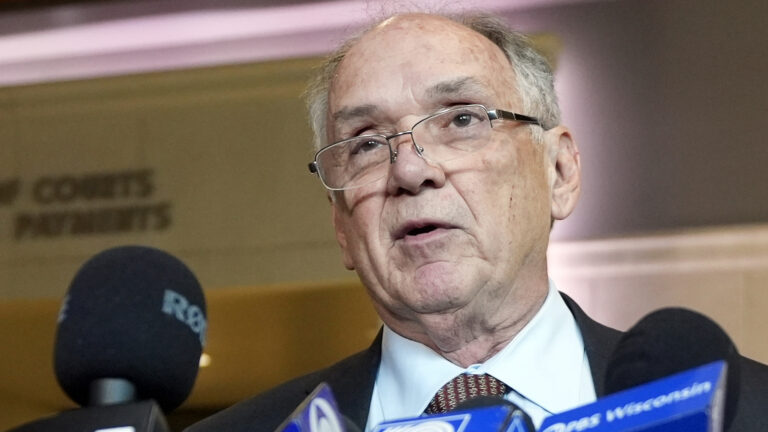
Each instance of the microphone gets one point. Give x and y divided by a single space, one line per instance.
318 412
669 341
349 425
480 414
130 332
690 401
517 415
674 370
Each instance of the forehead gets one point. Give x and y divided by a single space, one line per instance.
417 58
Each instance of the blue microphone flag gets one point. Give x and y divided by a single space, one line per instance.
317 413
691 401
501 418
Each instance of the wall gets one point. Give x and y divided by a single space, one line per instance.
664 100
720 272
208 164
667 101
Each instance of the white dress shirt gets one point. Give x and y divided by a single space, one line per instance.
545 365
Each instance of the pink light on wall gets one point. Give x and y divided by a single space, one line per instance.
150 41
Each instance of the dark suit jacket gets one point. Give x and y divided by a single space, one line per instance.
352 381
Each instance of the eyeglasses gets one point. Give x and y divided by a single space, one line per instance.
446 135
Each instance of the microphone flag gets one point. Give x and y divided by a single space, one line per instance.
691 401
317 413
499 418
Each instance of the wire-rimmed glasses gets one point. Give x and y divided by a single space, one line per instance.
446 135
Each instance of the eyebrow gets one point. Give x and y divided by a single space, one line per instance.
468 86
346 114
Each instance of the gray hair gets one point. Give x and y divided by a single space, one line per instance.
533 75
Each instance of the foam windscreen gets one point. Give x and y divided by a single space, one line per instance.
669 341
134 313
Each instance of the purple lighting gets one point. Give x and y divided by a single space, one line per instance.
120 44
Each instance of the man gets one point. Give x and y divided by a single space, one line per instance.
441 145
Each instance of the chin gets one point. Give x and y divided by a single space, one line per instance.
436 298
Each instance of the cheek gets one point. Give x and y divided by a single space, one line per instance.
516 189
362 223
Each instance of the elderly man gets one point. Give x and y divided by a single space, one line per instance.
440 143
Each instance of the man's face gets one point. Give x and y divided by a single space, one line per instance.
431 239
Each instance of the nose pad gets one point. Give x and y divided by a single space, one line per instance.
395 145
410 174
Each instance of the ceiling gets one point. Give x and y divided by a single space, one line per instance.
48 40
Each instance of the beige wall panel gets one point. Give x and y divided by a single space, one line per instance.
227 149
8 153
622 301
720 272
301 263
73 142
756 314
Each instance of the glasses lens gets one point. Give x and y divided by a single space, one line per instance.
453 133
354 162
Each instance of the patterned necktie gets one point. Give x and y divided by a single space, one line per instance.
464 387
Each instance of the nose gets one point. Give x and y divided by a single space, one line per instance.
410 172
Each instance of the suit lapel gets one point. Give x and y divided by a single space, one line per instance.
352 382
599 341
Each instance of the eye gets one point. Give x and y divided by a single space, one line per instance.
462 120
365 145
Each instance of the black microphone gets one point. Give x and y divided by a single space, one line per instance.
349 425
134 316
131 331
669 341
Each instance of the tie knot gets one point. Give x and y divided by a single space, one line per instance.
462 388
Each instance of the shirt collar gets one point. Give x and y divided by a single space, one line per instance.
543 363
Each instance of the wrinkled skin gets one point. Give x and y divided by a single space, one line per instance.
467 285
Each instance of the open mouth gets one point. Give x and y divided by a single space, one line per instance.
419 228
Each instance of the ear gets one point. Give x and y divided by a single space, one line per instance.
565 169
341 235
